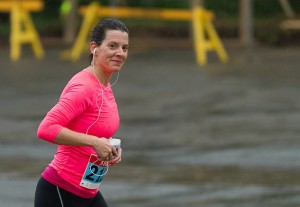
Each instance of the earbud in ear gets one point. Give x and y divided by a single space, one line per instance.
94 51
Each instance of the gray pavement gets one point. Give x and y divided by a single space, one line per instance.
215 136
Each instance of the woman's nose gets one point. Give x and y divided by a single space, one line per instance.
121 52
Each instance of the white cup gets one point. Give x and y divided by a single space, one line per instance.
115 142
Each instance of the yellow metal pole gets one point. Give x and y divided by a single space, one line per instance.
32 36
128 12
28 5
199 36
206 37
23 31
15 16
215 41
89 20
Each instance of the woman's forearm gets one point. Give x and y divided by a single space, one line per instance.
69 137
101 145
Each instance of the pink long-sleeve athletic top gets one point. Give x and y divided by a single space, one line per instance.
78 109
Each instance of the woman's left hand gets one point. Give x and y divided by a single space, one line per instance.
116 159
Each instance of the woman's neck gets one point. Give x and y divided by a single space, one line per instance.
102 77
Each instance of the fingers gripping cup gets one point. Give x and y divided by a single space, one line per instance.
115 143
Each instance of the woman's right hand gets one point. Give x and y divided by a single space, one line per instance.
105 151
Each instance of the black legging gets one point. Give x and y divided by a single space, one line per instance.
48 195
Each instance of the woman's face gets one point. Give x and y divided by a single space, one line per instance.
112 53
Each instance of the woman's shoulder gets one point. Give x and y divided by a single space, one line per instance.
81 81
81 76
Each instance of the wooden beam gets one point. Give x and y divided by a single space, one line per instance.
290 24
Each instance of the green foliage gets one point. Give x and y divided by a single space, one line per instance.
225 9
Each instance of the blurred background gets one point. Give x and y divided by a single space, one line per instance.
268 15
214 135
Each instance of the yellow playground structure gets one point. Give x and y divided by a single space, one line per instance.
22 28
205 36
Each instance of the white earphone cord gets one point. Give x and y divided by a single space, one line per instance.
99 108
99 112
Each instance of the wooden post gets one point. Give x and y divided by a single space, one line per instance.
246 23
287 8
71 23
197 3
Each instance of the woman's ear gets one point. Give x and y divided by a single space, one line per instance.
93 47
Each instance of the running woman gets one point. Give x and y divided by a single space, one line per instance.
81 124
